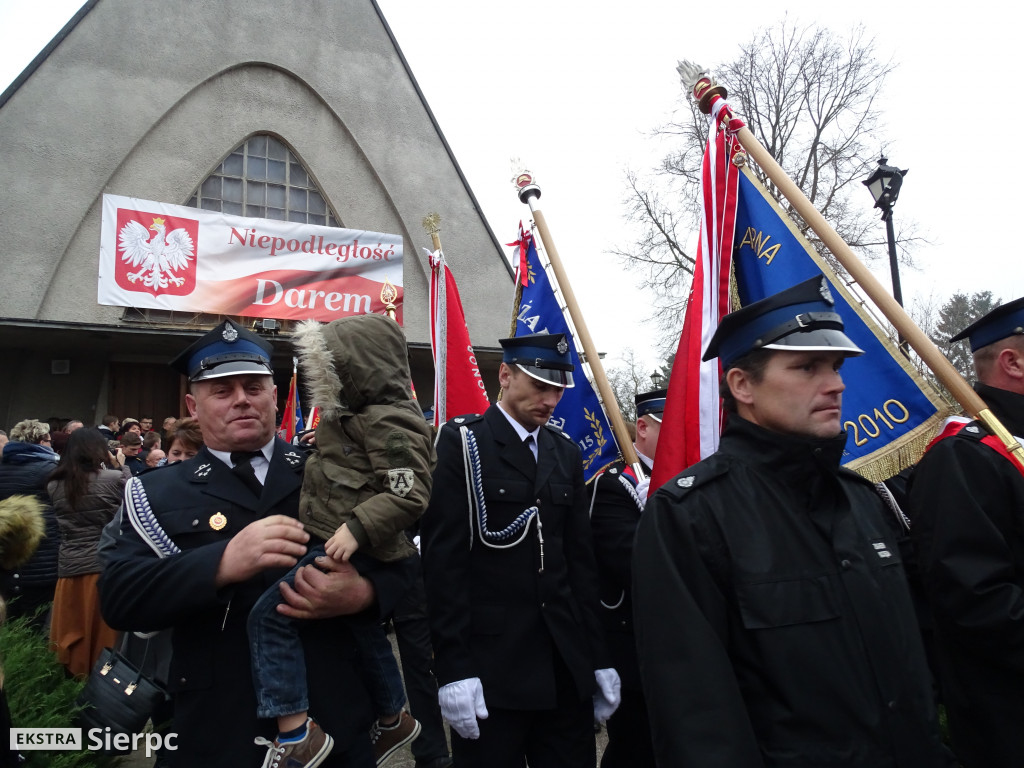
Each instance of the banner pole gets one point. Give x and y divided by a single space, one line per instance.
706 91
529 192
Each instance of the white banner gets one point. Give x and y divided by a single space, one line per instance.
172 257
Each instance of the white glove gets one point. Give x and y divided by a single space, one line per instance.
607 698
462 703
641 489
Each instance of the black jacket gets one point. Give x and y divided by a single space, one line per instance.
614 516
211 679
774 625
24 471
967 507
494 614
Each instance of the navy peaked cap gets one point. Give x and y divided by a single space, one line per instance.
227 350
651 403
1003 321
800 319
544 356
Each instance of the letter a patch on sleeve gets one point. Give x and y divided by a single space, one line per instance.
401 480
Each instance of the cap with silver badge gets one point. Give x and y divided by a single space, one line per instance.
799 319
544 356
227 350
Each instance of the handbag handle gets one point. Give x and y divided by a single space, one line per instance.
123 647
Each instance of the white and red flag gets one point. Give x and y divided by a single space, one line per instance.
458 387
691 424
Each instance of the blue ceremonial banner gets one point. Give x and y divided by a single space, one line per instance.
579 412
889 412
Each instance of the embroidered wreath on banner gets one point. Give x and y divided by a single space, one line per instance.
598 431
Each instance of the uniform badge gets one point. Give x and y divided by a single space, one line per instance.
458 419
203 470
613 471
826 294
562 347
402 481
293 458
972 430
218 521
685 482
229 334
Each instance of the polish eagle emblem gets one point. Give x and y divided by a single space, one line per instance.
157 258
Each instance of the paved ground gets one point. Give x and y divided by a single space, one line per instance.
401 759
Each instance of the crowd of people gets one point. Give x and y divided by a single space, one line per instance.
756 610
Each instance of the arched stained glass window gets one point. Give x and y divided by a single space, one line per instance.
260 178
263 178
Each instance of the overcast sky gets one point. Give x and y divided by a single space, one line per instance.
575 90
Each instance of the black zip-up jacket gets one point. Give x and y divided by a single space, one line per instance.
24 470
967 507
774 625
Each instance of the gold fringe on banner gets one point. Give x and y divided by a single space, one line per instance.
904 452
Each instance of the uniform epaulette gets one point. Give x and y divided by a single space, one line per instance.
612 472
466 418
973 431
559 431
694 477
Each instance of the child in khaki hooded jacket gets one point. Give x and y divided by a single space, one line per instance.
368 480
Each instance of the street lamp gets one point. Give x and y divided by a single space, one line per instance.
884 185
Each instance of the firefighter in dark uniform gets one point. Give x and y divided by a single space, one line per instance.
197 543
618 500
510 576
774 624
967 508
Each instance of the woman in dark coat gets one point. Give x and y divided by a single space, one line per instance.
28 461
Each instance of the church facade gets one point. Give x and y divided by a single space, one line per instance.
303 112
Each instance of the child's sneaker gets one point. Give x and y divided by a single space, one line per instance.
388 739
307 752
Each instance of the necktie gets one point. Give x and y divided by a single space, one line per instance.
529 443
243 468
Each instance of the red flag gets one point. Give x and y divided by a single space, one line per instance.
691 424
458 387
522 271
291 411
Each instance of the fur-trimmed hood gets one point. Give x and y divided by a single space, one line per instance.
21 529
354 362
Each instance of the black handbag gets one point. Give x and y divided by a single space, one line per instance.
117 695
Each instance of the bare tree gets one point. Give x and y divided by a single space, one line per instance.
809 96
628 379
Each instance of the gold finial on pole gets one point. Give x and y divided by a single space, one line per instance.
700 85
529 193
432 225
388 295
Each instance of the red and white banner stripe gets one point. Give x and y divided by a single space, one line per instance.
691 424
